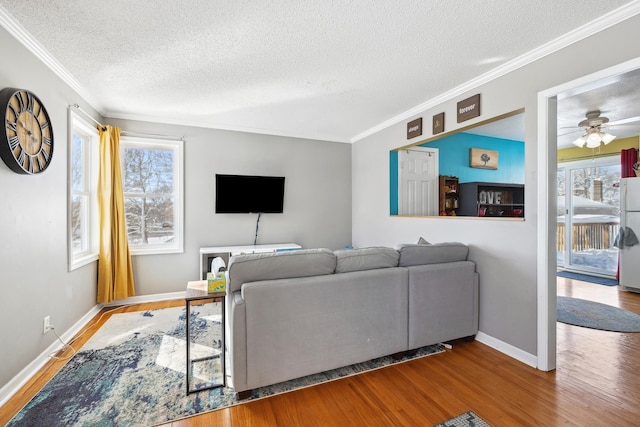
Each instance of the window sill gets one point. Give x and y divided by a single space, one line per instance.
82 261
155 251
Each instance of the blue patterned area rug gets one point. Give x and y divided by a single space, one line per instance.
468 419
595 315
132 373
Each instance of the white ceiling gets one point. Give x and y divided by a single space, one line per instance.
312 69
617 98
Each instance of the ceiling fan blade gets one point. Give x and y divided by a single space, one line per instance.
569 133
624 121
625 126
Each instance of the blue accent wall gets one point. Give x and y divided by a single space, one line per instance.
453 153
454 158
393 182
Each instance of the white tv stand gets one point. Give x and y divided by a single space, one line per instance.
225 252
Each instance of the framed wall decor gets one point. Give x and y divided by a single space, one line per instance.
483 159
414 128
468 108
438 123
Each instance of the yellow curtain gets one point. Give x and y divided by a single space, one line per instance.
115 274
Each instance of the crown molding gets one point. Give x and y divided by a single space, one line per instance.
603 22
600 24
9 23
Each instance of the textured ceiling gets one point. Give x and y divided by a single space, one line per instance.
312 69
617 98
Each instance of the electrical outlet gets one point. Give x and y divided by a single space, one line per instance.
47 324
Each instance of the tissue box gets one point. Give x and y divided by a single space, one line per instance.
216 282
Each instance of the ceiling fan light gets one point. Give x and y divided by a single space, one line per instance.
592 144
607 137
593 131
593 140
580 141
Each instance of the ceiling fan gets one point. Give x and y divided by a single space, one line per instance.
595 126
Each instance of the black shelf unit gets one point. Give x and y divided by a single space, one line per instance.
491 199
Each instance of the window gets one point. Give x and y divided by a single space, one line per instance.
152 184
589 215
83 184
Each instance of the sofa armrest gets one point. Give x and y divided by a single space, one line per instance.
237 345
443 302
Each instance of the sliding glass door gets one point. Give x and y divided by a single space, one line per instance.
589 215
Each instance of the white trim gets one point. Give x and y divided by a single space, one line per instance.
14 385
546 336
13 27
508 349
546 284
177 147
90 170
147 298
603 22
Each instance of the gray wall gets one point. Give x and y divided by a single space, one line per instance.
34 277
317 204
505 252
33 266
34 281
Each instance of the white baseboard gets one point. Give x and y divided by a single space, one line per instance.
508 349
147 298
14 385
32 368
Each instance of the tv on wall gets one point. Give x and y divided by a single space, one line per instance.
249 194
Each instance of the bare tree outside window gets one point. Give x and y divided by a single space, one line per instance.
151 184
148 186
599 184
77 200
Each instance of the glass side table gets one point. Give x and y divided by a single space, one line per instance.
205 355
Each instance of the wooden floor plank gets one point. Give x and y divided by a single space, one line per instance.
597 383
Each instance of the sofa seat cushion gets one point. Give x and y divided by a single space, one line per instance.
365 259
419 254
283 265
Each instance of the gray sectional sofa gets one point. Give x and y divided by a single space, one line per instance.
297 313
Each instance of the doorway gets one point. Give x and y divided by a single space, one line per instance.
547 204
588 220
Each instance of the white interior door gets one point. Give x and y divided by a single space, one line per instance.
418 181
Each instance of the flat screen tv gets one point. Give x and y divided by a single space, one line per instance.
249 194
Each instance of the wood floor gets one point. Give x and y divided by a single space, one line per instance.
596 383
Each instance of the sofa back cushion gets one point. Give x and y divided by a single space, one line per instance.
283 265
432 254
365 259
